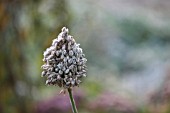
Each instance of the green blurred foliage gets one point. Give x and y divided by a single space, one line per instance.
25 33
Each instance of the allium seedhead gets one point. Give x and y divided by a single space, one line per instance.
65 63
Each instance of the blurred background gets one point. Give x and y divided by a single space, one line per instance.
126 43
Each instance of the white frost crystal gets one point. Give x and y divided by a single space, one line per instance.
65 63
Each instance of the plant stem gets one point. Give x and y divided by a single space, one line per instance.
74 109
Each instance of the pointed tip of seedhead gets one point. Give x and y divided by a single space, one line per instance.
64 29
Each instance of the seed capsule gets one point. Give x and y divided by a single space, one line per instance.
70 61
73 82
64 68
58 77
79 68
60 72
71 53
57 53
56 69
63 47
43 73
67 70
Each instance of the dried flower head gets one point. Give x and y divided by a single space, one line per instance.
65 63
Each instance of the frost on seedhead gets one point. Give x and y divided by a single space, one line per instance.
65 63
